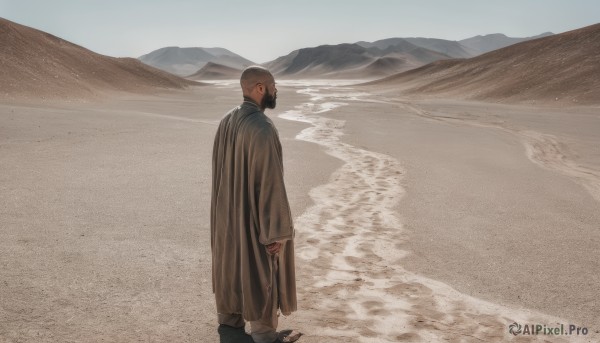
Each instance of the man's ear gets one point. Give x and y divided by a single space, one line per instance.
261 88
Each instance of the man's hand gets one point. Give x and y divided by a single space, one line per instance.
274 248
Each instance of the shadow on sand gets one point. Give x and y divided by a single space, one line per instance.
227 334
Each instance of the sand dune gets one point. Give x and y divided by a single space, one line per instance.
35 64
563 67
215 71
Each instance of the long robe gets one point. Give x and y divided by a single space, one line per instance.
249 210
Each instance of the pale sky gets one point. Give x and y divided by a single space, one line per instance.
264 30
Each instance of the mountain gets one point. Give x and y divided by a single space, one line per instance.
383 65
214 71
383 57
352 61
465 48
450 48
563 67
36 64
482 44
186 61
325 59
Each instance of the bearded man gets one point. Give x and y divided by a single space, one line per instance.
252 233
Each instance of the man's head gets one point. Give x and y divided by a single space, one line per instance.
258 84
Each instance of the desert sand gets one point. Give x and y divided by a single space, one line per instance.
418 220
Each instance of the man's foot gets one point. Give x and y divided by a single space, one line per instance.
286 336
231 327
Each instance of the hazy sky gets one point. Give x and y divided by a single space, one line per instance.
264 30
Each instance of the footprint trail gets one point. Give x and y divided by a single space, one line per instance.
351 283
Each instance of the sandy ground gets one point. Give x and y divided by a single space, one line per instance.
417 221
104 216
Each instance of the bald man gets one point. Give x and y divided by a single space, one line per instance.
252 232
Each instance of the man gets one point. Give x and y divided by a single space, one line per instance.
252 233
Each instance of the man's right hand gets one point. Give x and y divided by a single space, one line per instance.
274 248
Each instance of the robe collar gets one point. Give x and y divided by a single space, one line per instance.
250 102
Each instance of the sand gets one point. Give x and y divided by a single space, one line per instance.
444 202
417 220
105 216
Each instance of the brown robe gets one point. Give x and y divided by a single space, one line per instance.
250 209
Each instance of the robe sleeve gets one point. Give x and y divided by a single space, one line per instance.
217 165
272 211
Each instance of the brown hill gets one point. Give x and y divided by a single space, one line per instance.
35 65
383 65
563 67
215 71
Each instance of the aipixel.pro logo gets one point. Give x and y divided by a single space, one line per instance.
539 329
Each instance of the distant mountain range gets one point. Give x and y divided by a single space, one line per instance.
352 61
449 48
187 61
564 67
370 60
382 57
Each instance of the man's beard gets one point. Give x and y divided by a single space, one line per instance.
269 100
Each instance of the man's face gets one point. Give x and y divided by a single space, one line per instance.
269 99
